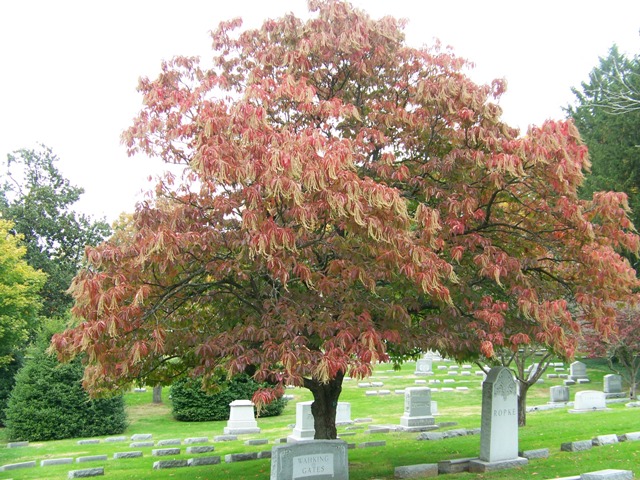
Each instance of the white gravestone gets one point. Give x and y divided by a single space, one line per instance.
559 394
317 460
499 424
578 371
241 418
343 414
305 428
424 366
417 409
588 401
612 383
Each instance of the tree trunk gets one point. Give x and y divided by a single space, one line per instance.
324 406
633 390
522 404
157 394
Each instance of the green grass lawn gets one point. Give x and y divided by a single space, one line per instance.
545 429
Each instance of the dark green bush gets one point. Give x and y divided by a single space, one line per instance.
49 403
191 404
7 381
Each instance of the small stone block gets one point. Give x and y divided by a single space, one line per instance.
384 392
609 474
55 461
264 454
363 420
15 466
196 440
141 436
431 436
88 442
134 454
380 443
538 453
374 429
86 472
115 439
169 464
454 466
478 466
240 457
370 393
140 444
225 438
605 440
17 444
163 452
578 446
457 432
171 441
630 437
195 462
200 449
91 458
424 470
257 441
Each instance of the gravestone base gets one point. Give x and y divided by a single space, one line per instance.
587 410
615 395
480 466
424 421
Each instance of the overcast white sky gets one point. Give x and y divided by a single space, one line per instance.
69 69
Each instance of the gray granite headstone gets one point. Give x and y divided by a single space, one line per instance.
312 460
612 383
304 429
559 394
424 366
578 371
417 408
242 418
499 423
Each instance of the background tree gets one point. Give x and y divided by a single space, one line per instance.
610 129
622 349
20 302
344 196
39 200
48 401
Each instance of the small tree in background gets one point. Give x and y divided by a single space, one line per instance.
622 348
190 403
48 401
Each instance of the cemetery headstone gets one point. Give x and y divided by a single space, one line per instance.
612 385
559 394
304 429
241 418
588 401
343 414
499 424
424 366
578 371
317 460
417 409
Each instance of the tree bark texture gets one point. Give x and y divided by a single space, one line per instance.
324 406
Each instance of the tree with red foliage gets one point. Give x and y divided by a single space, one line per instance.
622 348
345 198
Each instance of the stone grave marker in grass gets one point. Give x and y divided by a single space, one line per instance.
499 434
317 460
304 429
589 401
242 418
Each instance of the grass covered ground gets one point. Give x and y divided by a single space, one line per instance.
545 429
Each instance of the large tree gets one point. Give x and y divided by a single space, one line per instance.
345 197
39 201
611 129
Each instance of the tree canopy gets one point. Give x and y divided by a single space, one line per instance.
345 197
611 132
38 199
20 301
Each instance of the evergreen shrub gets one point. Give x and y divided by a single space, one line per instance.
49 403
190 403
